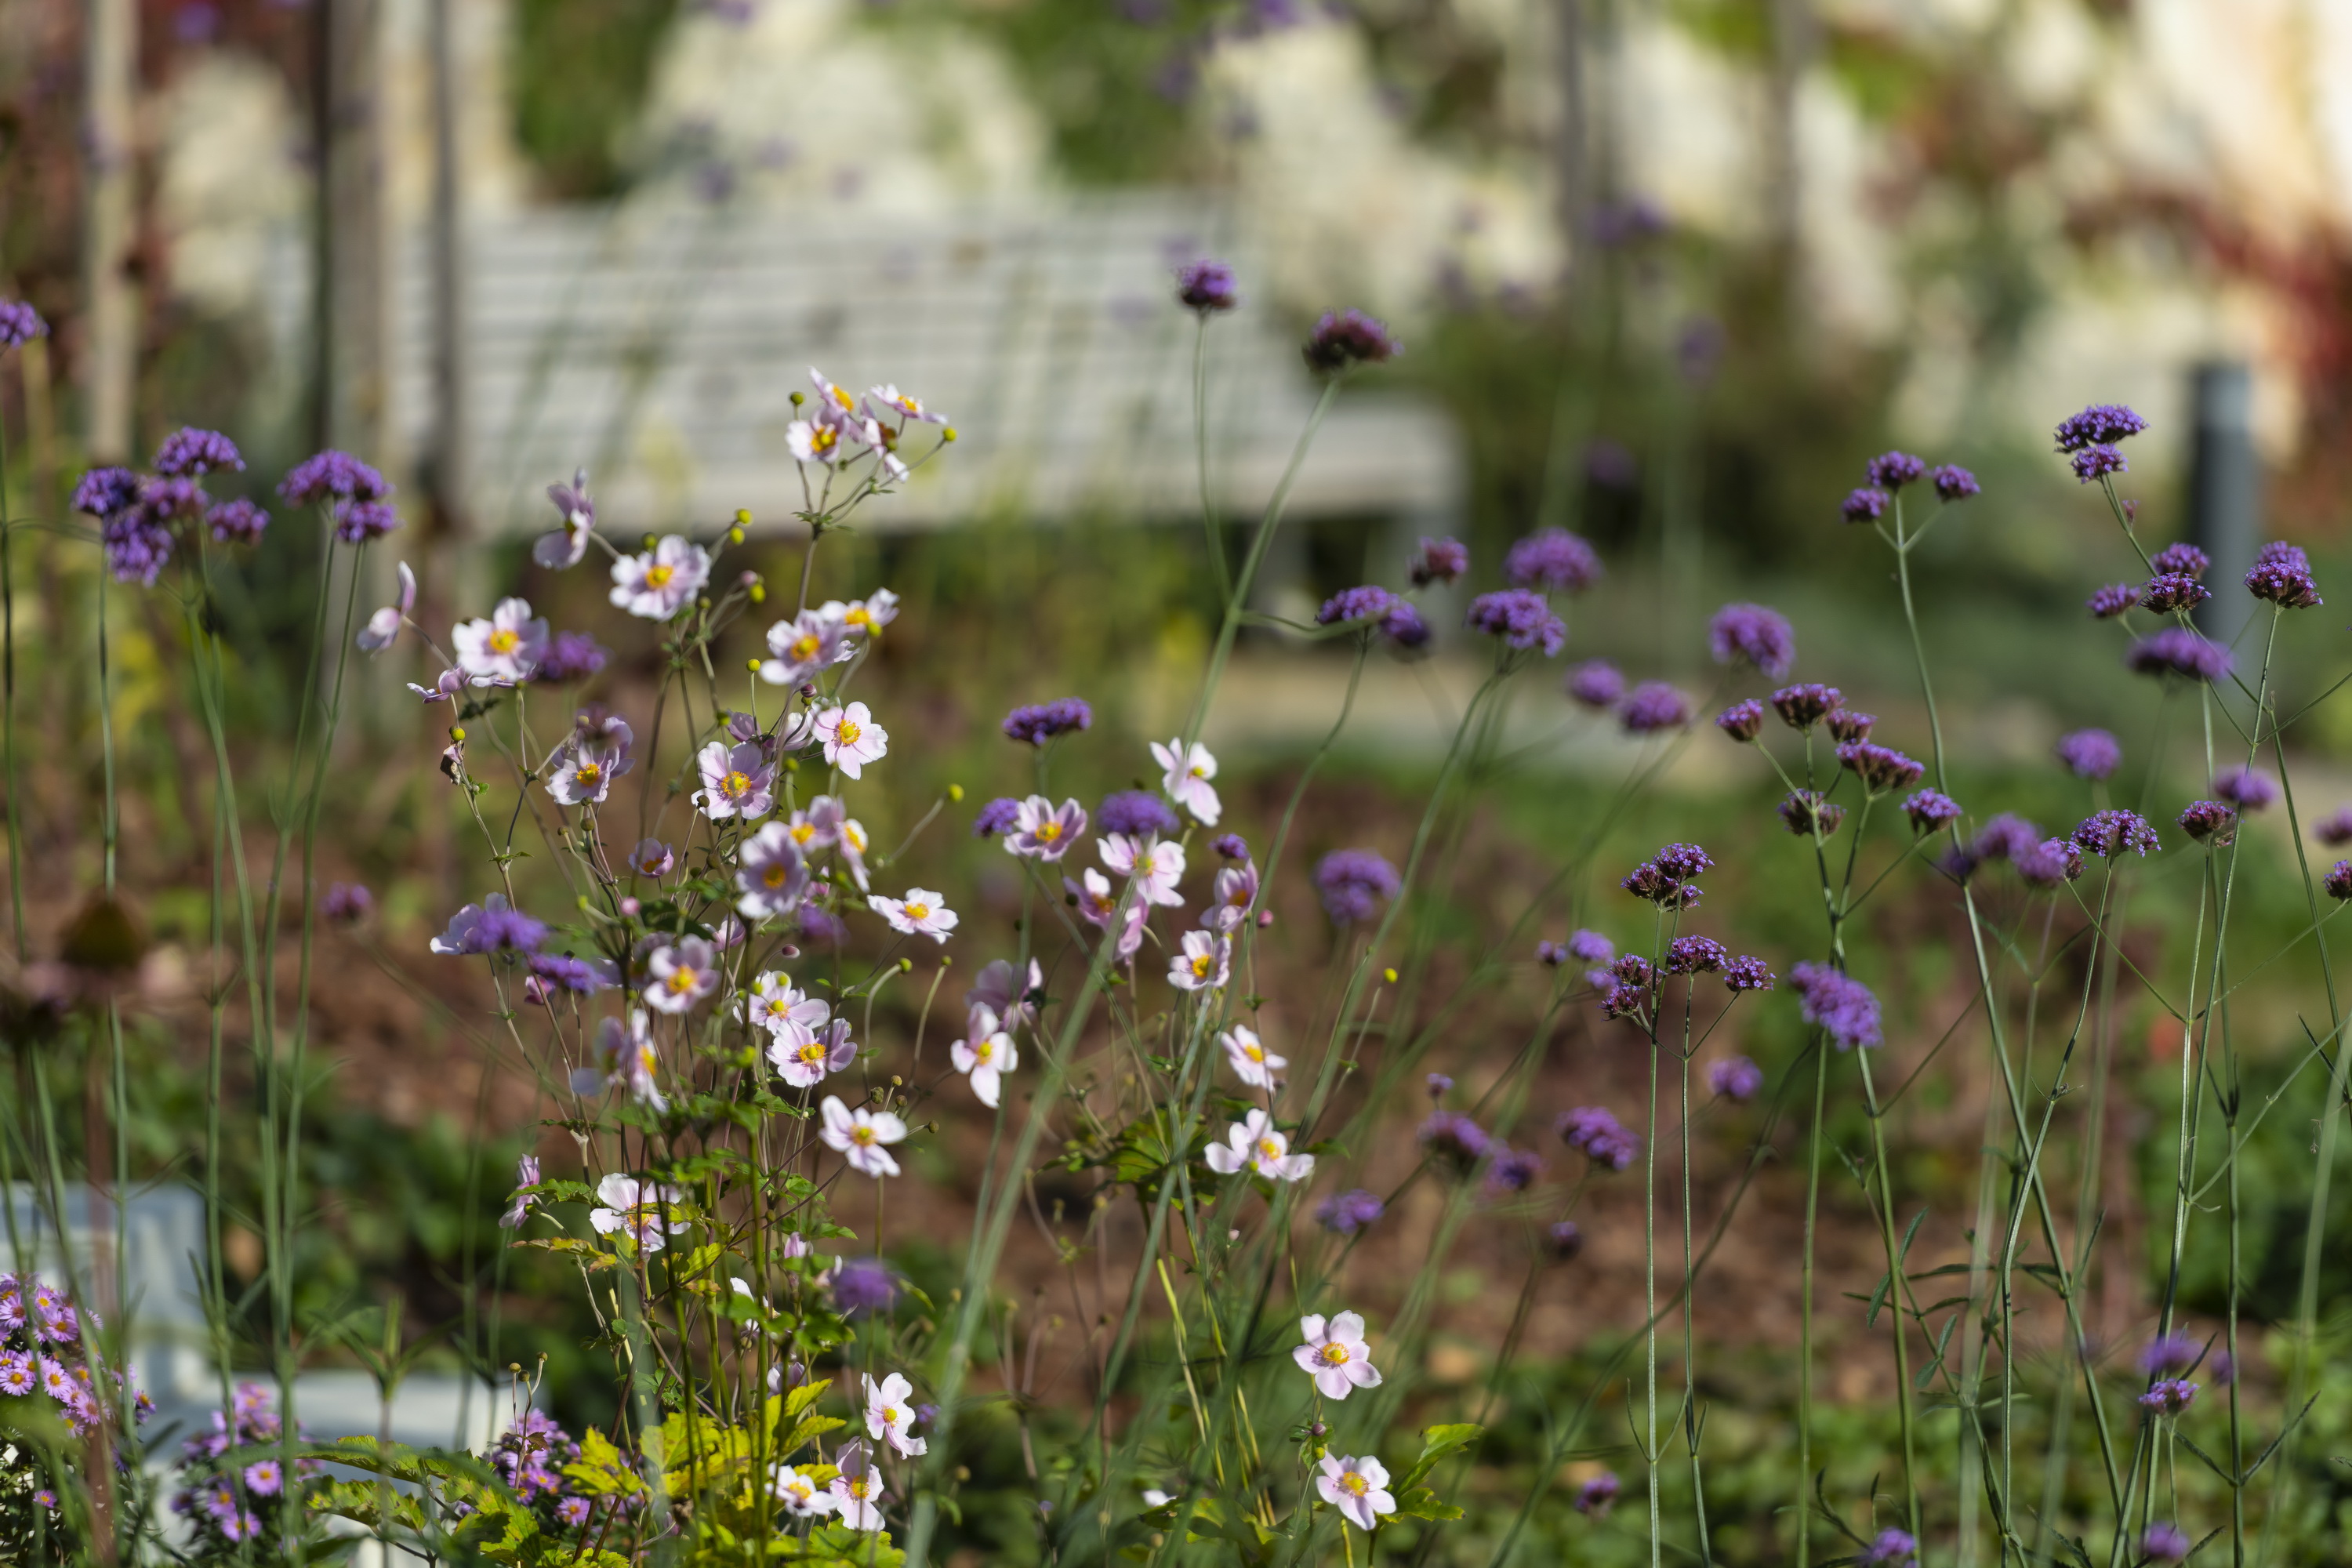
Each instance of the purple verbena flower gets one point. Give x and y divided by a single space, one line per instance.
1139 813
1807 812
1880 768
2112 600
1696 955
2209 820
1353 883
20 324
1346 338
1850 724
1683 861
1735 1077
1748 972
570 657
1595 1134
2245 788
1512 1170
2176 650
2053 863
137 548
358 521
1349 1212
2110 833
2335 829
1802 706
2089 753
1753 634
1360 604
1553 560
345 903
999 816
2170 591
1841 1005
1930 809
2168 1397
1595 1496
105 492
2163 1543
1596 683
2005 837
1521 618
190 453
1207 287
1892 1549
2338 881
2097 462
1039 723
1864 505
2168 1353
1892 470
332 476
1743 721
2181 558
1954 482
1592 947
2282 574
1453 1140
862 1285
1403 627
2102 424
1563 1241
237 521
1653 706
1439 561
1551 955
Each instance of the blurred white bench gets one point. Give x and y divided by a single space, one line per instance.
170 1347
658 346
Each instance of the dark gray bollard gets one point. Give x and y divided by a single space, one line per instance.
2225 490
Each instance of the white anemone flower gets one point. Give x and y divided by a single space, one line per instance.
890 1413
985 1054
737 781
802 1498
857 1489
661 581
1098 903
805 1061
1256 1142
1186 778
1357 1488
1042 831
851 739
569 544
921 913
384 625
862 617
786 1012
1251 1062
887 401
804 648
684 975
504 650
640 1210
1156 865
580 771
861 1136
1336 1354
773 875
1204 962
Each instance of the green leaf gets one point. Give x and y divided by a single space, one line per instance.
1423 1503
1436 1442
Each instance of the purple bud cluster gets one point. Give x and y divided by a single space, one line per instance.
1553 560
1930 809
2111 601
1802 706
2169 592
1652 707
1438 561
1843 1006
2110 833
1521 618
1596 684
1850 724
2176 650
1347 1212
1343 339
1808 812
1597 1134
1753 634
1453 1141
1354 883
1735 1077
1137 813
2089 753
20 324
1880 768
2282 574
1743 721
1039 723
2101 425
2053 863
2210 821
1207 287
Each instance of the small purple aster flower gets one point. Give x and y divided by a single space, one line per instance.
1596 684
569 973
2112 600
1349 1212
1748 972
1039 723
2245 788
1802 706
2181 559
1841 1005
2168 1397
2339 882
1551 955
2089 753
237 521
1362 604
571 656
1346 338
1653 706
1512 1171
1563 1241
2209 820
2102 424
1807 812
1735 1077
106 492
1554 560
1137 813
1521 618
1954 482
190 453
2334 830
1696 955
1851 725
2162 1542
20 324
2110 833
862 1285
2170 591
1595 1497
1439 561
1207 287
1864 505
358 521
2282 574
1595 1134
574 1512
2098 462
1743 721
2169 1353
332 476
1753 634
1592 947
1892 470
2176 650
345 903
1892 1549
1930 809
999 816
1231 847
1453 1140
2053 863
1354 883
1880 768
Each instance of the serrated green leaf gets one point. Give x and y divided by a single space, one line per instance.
1436 1442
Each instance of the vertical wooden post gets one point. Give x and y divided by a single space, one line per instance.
353 390
448 470
110 325
1793 46
2225 490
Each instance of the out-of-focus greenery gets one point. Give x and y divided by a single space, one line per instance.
580 71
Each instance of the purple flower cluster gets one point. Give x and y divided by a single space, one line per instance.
1512 1171
1391 617
2176 650
2110 833
863 1285
2101 425
1930 809
1553 560
1808 812
1653 706
1139 813
2163 1543
2053 863
2282 574
1207 287
2168 1397
352 493
20 324
1595 1134
1594 1497
1696 955
1851 725
2181 558
1353 883
2169 1353
1748 974
1892 470
1596 684
189 453
1039 723
999 816
1735 1077
1346 338
529 1456
1892 1549
1841 1005
345 903
1664 878
2335 829
2098 462
2338 881
2169 592
237 521
2089 753
1880 768
1439 561
1802 706
2005 837
1864 505
2210 821
1521 618
1349 1212
1743 721
1753 634
2111 601
2245 788
1453 1140
570 657
227 1494
1955 483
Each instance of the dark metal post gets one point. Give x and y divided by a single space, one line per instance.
2225 486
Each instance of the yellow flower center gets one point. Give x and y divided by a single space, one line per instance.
847 732
983 1050
777 873
659 577
1255 1053
683 979
1048 831
1269 1148
588 773
1354 1484
804 648
1202 966
859 1487
862 1135
812 1053
892 1415
839 396
1199 772
504 640
803 832
916 912
1334 1354
736 784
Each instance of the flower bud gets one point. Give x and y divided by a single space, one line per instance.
630 906
955 792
